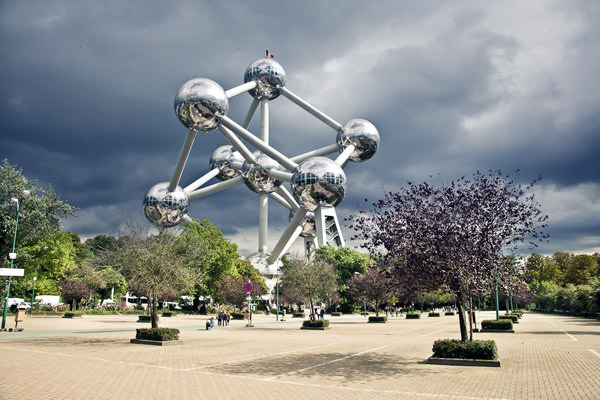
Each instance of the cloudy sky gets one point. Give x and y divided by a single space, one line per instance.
86 100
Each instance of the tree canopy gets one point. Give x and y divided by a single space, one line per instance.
455 235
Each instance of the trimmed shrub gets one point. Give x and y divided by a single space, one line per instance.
449 313
336 314
167 314
364 313
237 315
475 350
318 323
298 315
434 314
380 319
501 324
72 314
512 317
146 318
413 315
159 334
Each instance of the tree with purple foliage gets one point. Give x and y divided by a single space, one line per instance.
375 286
454 236
73 290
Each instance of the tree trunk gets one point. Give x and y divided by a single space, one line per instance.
312 311
153 313
470 318
507 305
376 308
461 319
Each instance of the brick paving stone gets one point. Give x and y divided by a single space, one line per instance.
549 357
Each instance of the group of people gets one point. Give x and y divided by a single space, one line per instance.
223 318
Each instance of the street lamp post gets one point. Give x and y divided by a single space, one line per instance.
277 293
13 255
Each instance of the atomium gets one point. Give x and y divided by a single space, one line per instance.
317 183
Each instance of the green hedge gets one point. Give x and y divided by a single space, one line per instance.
72 314
237 315
501 324
454 348
514 318
413 315
318 323
380 319
434 314
297 315
168 314
159 334
146 318
449 313
336 314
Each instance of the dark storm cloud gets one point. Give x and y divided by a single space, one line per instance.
86 102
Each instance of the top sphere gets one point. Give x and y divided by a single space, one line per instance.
318 181
222 158
200 103
269 75
363 135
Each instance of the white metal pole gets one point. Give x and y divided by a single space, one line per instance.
281 175
263 222
278 198
288 196
342 159
237 143
291 232
312 110
217 187
264 120
250 114
259 144
183 156
323 151
240 89
202 180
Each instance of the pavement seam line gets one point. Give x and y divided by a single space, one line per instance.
594 352
257 357
326 363
573 338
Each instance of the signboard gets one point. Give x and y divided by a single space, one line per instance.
12 271
248 287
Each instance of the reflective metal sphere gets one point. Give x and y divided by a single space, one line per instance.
200 103
222 158
362 134
268 74
256 176
259 261
165 208
309 226
318 181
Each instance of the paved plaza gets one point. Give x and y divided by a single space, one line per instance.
548 357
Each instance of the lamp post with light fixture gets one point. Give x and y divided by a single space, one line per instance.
12 255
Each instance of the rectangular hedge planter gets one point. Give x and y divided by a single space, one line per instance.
319 324
475 350
157 334
413 315
502 325
434 314
146 318
380 319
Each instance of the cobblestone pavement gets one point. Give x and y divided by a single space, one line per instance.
548 357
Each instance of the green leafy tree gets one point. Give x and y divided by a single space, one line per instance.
213 255
311 281
542 268
41 212
114 280
581 269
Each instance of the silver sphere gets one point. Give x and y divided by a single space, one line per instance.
309 226
256 175
200 103
259 261
269 75
363 135
318 181
164 208
222 158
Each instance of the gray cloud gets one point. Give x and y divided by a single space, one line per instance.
87 97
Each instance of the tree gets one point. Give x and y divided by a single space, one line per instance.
454 236
210 252
157 267
114 281
41 212
346 262
312 281
73 290
542 268
581 269
374 286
